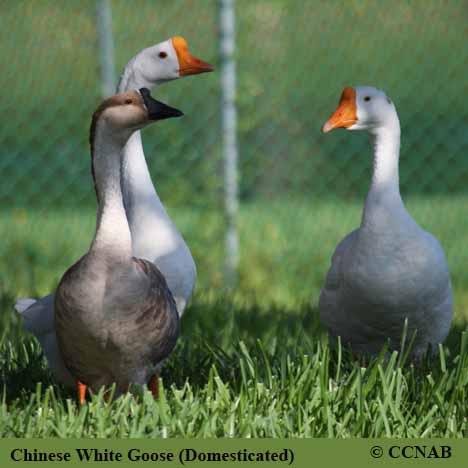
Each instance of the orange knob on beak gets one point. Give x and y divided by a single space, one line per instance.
188 64
345 114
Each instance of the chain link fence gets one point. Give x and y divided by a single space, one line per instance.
293 58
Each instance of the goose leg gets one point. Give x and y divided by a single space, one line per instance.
361 358
154 386
106 396
81 387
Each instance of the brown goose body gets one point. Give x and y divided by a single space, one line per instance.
115 323
115 317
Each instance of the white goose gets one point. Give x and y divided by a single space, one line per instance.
154 235
389 269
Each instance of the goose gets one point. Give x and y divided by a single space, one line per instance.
115 317
389 269
154 235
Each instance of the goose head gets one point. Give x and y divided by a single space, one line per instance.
166 61
125 113
362 108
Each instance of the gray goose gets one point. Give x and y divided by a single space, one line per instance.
115 317
389 270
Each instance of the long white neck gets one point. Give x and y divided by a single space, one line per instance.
154 236
137 186
112 238
384 200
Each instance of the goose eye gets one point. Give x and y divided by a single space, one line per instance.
128 101
162 55
367 98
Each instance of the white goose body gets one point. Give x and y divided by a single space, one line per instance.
154 235
389 269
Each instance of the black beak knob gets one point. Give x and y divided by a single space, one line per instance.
158 110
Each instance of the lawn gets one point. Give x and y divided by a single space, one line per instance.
251 362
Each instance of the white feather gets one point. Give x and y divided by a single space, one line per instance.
389 269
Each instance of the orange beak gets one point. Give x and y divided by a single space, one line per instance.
188 64
345 114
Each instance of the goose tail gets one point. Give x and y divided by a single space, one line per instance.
22 304
38 315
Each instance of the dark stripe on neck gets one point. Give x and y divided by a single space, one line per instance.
110 102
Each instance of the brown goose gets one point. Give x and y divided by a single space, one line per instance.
154 235
115 317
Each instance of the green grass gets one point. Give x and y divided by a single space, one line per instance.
288 384
253 362
286 246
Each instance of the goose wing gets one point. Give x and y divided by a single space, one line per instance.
156 317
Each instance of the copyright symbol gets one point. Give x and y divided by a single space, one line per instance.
376 451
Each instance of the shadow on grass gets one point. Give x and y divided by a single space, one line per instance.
211 336
216 334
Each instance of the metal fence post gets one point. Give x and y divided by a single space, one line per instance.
229 130
106 47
